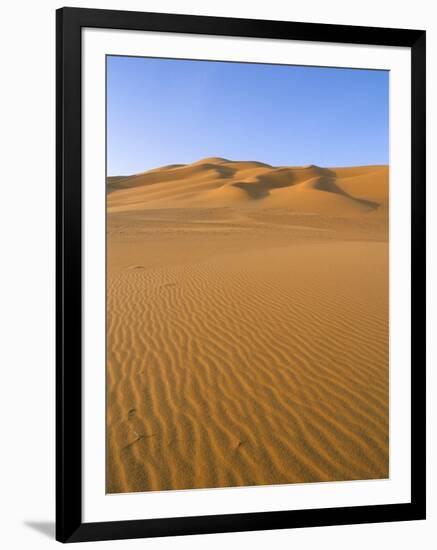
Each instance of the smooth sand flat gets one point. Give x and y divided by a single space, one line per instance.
247 326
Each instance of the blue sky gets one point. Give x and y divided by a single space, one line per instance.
163 111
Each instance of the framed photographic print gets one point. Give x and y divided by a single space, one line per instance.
241 274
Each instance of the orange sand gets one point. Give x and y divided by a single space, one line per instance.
247 326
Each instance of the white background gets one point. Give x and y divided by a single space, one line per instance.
27 269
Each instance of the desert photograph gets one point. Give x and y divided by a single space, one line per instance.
247 274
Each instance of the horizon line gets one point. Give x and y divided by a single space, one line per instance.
177 165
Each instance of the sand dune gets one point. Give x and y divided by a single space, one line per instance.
247 326
215 182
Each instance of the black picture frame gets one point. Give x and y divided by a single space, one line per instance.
69 525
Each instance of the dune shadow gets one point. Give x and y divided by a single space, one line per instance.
329 184
254 190
46 528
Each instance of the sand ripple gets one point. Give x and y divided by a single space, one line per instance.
259 367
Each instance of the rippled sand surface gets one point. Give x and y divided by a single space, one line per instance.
247 328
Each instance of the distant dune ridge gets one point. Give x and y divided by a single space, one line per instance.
247 325
214 182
